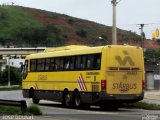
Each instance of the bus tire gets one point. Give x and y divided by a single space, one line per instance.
33 96
76 99
35 101
67 100
31 92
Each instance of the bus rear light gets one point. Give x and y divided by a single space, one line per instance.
103 84
143 84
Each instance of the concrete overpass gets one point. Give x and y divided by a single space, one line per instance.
15 56
20 51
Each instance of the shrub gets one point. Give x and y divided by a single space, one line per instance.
70 21
81 33
34 109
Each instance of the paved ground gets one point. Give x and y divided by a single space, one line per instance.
54 111
152 96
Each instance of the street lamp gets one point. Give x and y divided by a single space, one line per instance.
104 40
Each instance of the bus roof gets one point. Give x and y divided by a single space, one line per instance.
69 51
66 51
70 47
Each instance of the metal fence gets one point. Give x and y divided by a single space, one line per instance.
22 103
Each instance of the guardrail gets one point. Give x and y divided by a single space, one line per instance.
21 103
12 86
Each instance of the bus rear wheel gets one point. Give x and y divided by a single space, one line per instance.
76 99
67 100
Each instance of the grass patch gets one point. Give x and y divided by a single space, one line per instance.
10 110
34 109
143 105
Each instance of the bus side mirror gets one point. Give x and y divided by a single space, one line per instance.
22 68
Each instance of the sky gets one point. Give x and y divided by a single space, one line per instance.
130 13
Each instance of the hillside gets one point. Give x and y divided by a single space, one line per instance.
28 27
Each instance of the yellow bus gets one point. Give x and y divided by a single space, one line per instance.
80 75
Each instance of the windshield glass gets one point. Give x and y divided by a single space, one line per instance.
25 69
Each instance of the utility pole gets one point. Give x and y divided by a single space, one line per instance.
9 78
142 34
114 28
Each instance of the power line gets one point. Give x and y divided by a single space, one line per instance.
138 24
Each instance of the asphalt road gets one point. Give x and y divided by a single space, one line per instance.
55 111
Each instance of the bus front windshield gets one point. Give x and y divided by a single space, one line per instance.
25 69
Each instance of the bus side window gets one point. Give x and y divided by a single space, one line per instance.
97 61
90 59
66 63
78 63
59 63
47 63
83 64
72 61
33 65
52 64
41 64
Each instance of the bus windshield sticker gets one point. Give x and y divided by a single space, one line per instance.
81 83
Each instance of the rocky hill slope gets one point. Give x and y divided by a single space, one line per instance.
28 27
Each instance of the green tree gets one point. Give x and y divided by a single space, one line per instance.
15 76
152 55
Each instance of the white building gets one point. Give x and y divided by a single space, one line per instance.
13 61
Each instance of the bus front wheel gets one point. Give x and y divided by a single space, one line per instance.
35 101
33 96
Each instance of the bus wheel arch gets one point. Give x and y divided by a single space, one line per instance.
66 101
